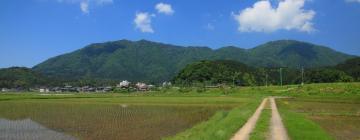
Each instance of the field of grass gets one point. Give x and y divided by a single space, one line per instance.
317 111
323 111
221 126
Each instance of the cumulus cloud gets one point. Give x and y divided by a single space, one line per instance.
85 4
263 17
143 19
143 22
164 8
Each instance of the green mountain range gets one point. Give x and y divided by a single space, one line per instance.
155 62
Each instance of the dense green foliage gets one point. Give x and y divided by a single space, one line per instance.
25 78
351 67
156 62
216 72
19 77
326 75
232 72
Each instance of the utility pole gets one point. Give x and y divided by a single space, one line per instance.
234 80
302 76
266 79
281 80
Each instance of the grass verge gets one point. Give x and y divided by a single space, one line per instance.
300 128
222 126
262 127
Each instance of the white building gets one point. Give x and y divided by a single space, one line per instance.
42 90
124 84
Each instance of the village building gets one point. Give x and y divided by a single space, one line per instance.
123 84
42 90
142 86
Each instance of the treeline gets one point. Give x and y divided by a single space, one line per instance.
20 77
236 73
25 78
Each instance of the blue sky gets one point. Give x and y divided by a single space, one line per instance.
32 31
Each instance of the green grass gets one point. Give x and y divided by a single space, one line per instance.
262 128
222 126
338 117
330 110
300 128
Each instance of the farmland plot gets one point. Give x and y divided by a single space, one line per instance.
84 120
340 118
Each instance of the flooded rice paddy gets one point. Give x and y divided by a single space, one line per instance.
57 120
28 130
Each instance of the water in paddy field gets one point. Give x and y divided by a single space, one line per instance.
28 130
27 120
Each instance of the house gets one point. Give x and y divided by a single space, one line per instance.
42 90
142 86
108 89
123 84
56 89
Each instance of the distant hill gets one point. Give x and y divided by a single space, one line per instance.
294 54
15 77
155 62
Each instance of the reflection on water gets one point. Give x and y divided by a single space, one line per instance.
28 130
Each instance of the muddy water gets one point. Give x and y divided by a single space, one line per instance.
28 130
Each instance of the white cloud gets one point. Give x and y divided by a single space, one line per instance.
353 1
143 22
164 8
288 15
85 4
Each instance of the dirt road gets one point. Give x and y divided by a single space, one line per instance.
244 132
278 131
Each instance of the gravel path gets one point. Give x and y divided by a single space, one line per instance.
244 132
278 131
